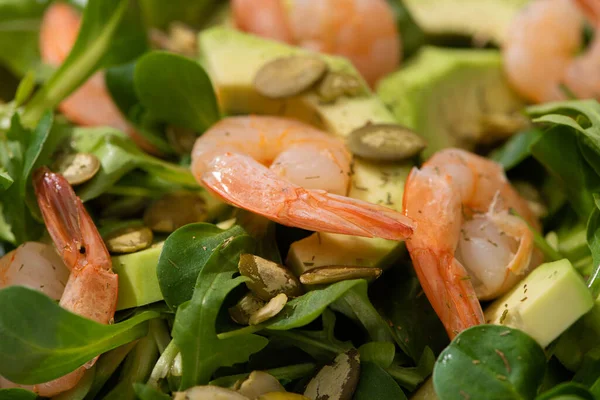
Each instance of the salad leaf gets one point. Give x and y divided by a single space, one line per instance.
380 353
42 341
375 383
119 82
159 13
412 35
17 394
106 365
105 38
194 331
567 390
516 149
147 392
593 239
176 90
79 391
411 377
492 362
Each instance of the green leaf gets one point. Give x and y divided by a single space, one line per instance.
491 362
412 35
25 89
593 240
589 372
146 392
177 277
5 179
160 13
42 341
567 391
6 233
34 149
119 82
306 308
375 383
176 90
105 38
516 149
81 389
411 377
194 329
380 353
17 394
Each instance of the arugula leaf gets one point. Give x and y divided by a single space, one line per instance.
105 38
194 331
593 239
30 355
176 90
567 390
5 179
147 392
380 353
411 377
375 383
491 362
516 149
17 394
411 33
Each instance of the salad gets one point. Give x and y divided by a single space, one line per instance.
280 200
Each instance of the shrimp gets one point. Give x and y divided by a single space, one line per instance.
91 289
305 185
545 67
364 31
90 104
466 244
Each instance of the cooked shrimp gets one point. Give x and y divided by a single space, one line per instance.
90 104
305 184
466 244
91 289
540 53
364 31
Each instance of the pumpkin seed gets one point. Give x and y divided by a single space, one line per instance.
181 139
385 142
174 210
282 396
271 309
336 381
78 168
248 305
129 239
259 383
337 84
268 278
209 393
289 76
337 273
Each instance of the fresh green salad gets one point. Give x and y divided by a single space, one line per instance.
281 200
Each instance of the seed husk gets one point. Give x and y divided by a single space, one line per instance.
282 396
385 142
248 305
259 383
78 168
336 381
209 393
268 278
174 210
271 309
129 239
181 139
336 273
337 84
289 76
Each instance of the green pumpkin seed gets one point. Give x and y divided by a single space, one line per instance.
248 305
259 383
271 309
337 273
385 142
78 168
289 76
336 381
129 240
268 279
174 210
338 84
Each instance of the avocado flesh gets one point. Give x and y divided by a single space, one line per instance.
454 98
484 20
138 284
232 59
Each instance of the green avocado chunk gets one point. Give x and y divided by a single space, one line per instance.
232 59
484 20
454 98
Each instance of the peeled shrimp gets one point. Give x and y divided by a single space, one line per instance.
540 54
90 104
91 289
304 185
364 31
466 244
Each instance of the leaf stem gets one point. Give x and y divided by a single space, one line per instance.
162 366
290 372
247 330
549 253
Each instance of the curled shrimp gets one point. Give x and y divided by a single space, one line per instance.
364 31
91 289
90 104
540 54
466 244
305 185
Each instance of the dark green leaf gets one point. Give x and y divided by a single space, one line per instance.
593 240
411 377
34 149
491 362
516 149
5 179
41 341
145 392
412 35
380 353
176 90
119 82
567 391
589 372
160 13
17 394
106 365
375 383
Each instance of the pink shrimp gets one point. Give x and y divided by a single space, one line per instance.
541 51
91 289
305 184
90 104
466 244
364 31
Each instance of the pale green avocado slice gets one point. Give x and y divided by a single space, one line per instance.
484 20
232 59
138 283
454 98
